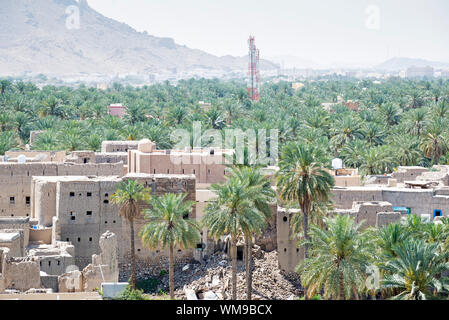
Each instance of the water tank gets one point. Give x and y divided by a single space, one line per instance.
337 164
21 159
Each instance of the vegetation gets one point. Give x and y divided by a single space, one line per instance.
262 195
132 294
242 209
169 226
127 196
409 256
339 257
399 122
302 179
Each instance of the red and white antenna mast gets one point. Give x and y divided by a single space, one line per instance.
253 70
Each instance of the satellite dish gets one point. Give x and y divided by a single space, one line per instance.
337 164
21 159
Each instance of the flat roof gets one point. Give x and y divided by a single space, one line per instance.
383 188
150 175
14 220
9 237
76 178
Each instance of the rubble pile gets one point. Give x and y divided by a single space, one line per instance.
211 279
268 281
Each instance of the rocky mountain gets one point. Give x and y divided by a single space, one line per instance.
398 64
43 36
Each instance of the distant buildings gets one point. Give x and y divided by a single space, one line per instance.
297 85
420 72
117 110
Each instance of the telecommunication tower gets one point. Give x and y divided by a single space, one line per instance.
253 70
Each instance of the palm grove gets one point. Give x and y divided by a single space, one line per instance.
399 123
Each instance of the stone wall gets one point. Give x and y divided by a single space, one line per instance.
53 259
12 240
80 210
366 212
386 218
408 173
289 254
104 267
207 166
21 273
419 201
17 224
111 157
15 181
118 146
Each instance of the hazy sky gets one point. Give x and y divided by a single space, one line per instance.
352 32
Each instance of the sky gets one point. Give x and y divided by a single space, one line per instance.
318 32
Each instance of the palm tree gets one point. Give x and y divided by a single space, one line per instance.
127 195
416 271
416 99
8 140
169 227
135 113
4 85
407 150
376 160
373 133
262 196
416 121
233 213
389 237
390 114
434 142
339 257
302 178
344 131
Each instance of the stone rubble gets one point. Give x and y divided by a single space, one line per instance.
211 279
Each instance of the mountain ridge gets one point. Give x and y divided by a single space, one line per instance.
34 39
402 63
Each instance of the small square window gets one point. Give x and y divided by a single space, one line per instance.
72 218
12 200
89 213
89 194
72 194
